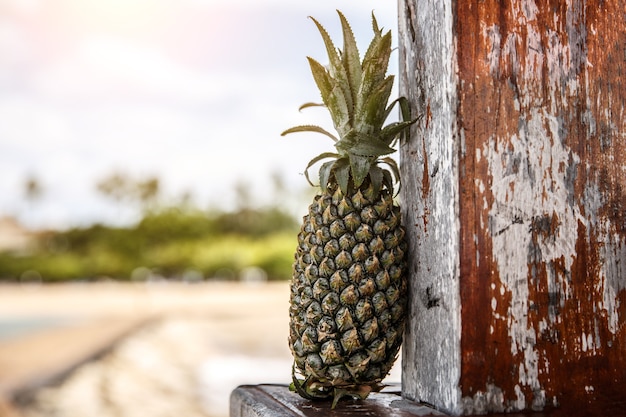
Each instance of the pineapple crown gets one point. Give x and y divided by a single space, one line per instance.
356 95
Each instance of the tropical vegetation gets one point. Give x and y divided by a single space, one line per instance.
175 242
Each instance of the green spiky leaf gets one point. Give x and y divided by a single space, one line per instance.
356 94
333 95
309 128
337 70
371 116
360 167
391 131
342 174
404 108
310 104
376 178
338 395
394 167
325 173
375 24
359 391
362 144
350 57
388 180
366 145
305 389
346 142
394 130
322 79
375 40
339 109
375 65
331 50
315 160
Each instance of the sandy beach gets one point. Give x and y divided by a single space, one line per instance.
156 348
194 342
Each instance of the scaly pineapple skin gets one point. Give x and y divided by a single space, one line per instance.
348 291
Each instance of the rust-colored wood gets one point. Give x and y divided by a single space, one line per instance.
540 134
546 70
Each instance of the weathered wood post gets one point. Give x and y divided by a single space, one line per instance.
515 200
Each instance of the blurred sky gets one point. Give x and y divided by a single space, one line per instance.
195 92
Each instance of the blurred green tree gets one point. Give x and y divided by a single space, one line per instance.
115 186
143 193
147 192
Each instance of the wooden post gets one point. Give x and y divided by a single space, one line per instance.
514 198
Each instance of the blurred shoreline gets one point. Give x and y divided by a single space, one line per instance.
172 348
114 298
203 328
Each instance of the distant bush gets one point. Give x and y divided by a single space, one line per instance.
169 243
253 222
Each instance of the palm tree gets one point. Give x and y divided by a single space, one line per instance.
147 192
33 191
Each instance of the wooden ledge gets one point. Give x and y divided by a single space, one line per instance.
278 401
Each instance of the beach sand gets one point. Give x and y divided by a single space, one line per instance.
137 349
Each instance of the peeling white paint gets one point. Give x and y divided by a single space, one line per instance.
481 185
527 188
529 184
613 281
533 217
491 400
493 56
520 403
537 151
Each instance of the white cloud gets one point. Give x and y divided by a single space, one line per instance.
197 115
109 66
306 6
27 6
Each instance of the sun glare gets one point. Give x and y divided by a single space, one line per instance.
116 16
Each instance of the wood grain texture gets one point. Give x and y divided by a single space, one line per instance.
535 120
430 206
278 401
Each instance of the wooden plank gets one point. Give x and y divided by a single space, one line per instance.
430 205
537 138
277 401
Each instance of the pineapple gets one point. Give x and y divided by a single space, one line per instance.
348 291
